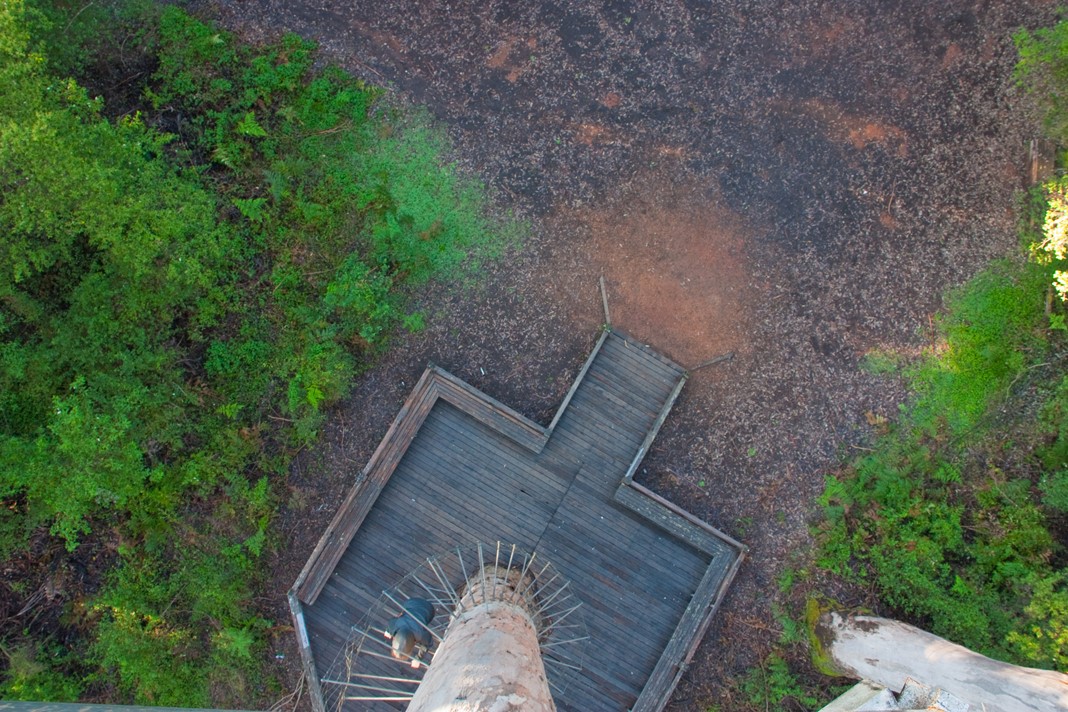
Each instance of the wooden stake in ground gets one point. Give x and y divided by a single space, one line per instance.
604 303
489 659
887 652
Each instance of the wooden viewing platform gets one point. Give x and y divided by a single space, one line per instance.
458 467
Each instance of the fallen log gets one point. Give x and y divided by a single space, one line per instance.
887 651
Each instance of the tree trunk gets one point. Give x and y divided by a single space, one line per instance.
489 659
887 651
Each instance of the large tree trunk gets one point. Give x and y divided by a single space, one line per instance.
489 659
887 651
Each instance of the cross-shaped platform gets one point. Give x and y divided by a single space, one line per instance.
458 467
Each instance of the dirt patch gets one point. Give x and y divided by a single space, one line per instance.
513 56
676 273
843 127
886 219
952 55
590 133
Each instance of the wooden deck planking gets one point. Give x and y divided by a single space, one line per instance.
628 377
439 531
633 380
603 589
436 536
543 472
646 549
645 586
469 469
614 593
588 421
644 354
625 378
594 418
618 419
435 528
481 488
646 366
633 500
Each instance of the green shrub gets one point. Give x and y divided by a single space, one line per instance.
989 332
37 675
949 540
158 606
1042 70
104 245
1055 490
179 310
1045 637
772 686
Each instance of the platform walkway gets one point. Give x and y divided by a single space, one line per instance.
457 466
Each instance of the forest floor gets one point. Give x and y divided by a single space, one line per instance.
797 182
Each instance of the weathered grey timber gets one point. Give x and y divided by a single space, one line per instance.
889 652
457 466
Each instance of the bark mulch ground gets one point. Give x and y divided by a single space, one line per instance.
797 182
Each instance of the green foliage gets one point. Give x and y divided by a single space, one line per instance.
178 311
1047 636
880 362
1055 490
350 198
953 517
304 149
772 686
1052 247
792 676
957 515
948 538
37 675
156 608
989 331
170 590
87 460
791 631
1042 70
359 301
151 657
104 245
74 32
1054 420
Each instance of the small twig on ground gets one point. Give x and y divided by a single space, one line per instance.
604 301
729 356
756 625
1021 373
382 80
34 598
127 80
343 126
291 700
84 8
